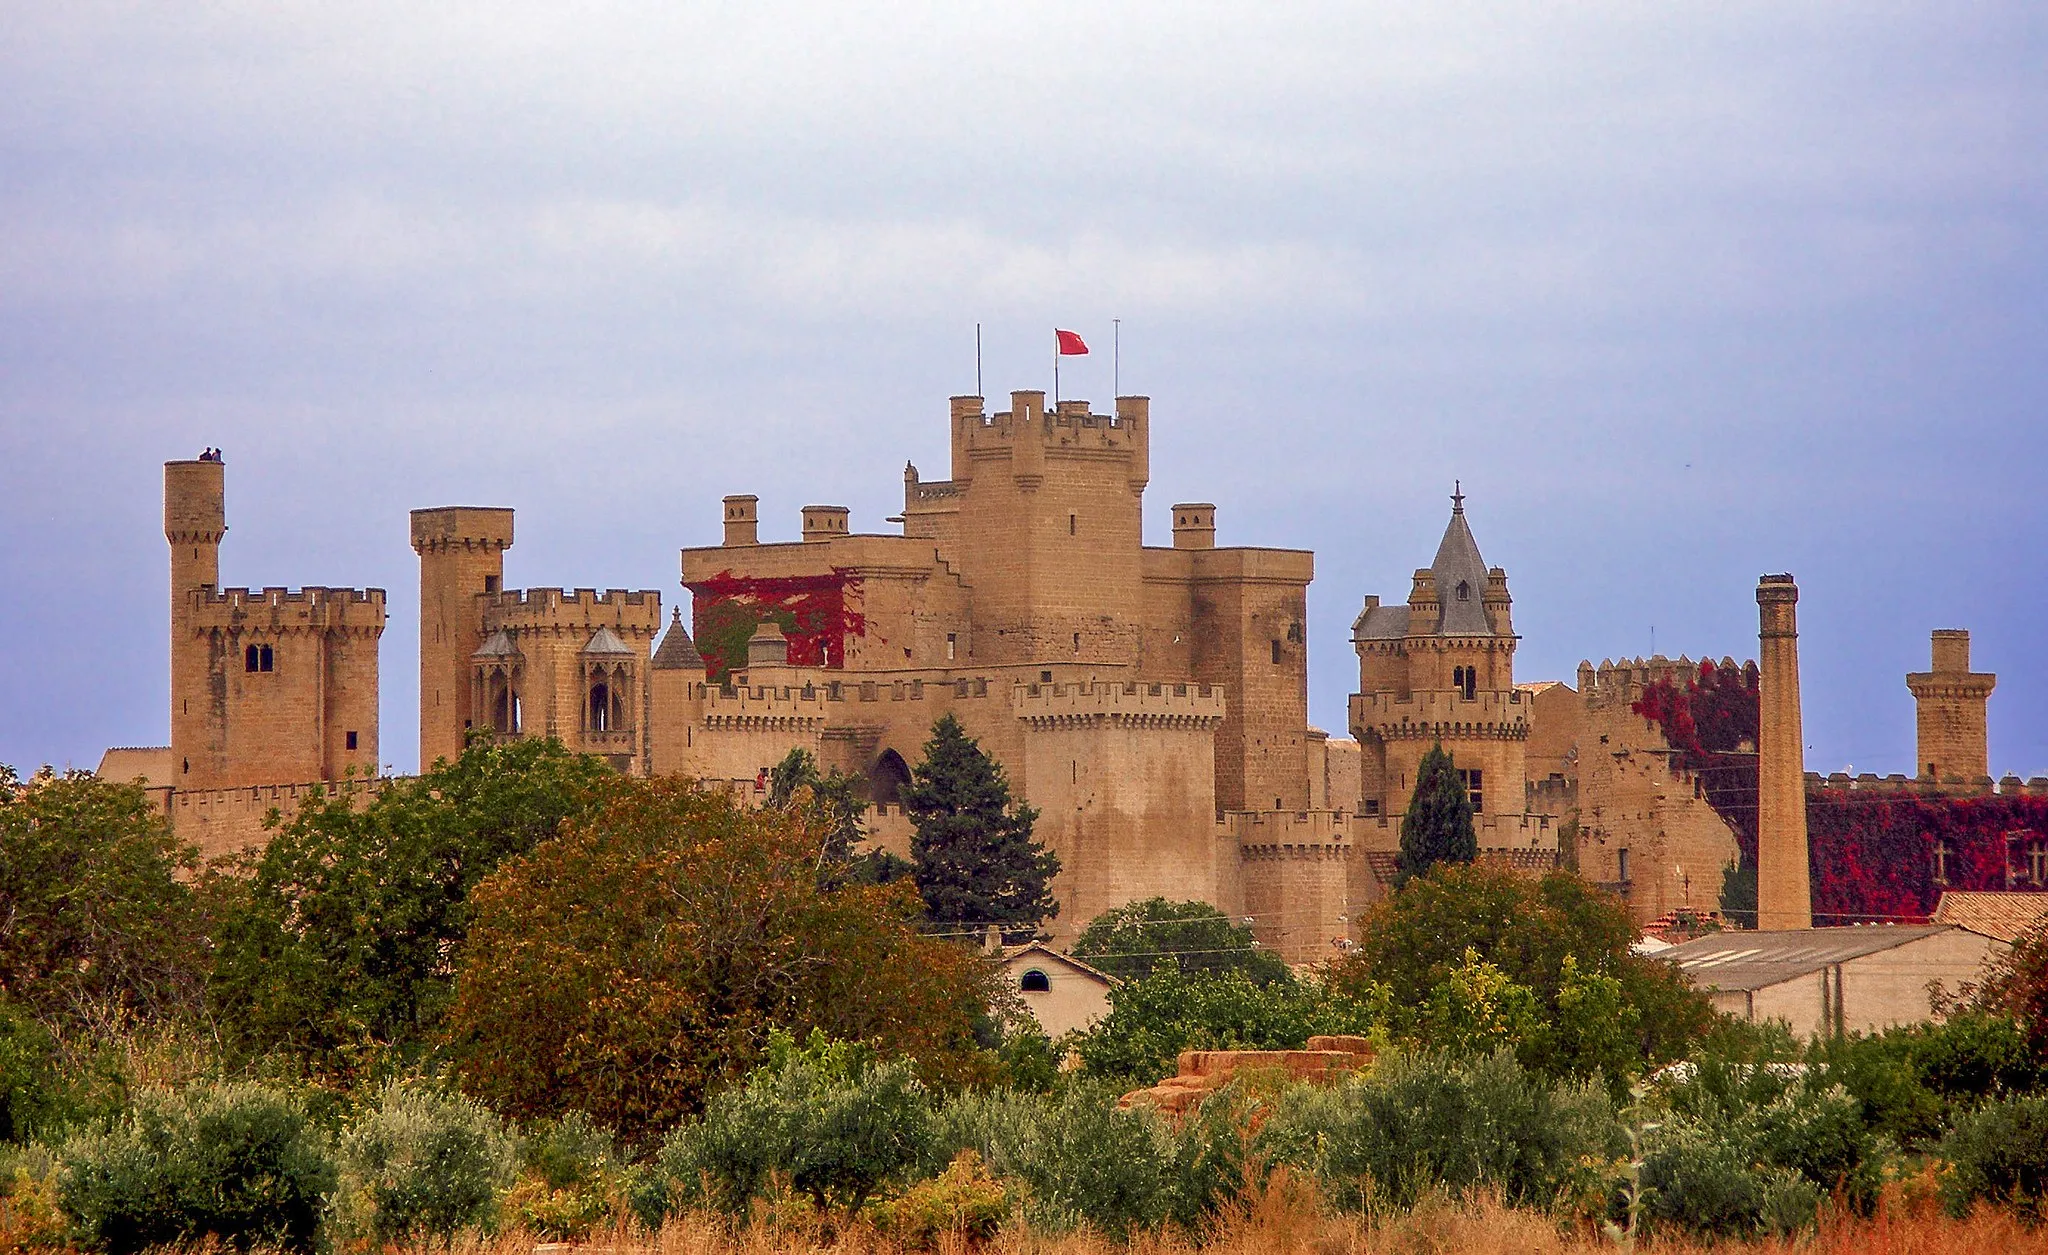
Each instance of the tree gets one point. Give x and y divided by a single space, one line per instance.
1153 1019
1132 940
95 920
1438 825
837 802
976 861
1566 941
340 940
641 960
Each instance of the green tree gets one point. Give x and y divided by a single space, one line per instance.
341 941
976 862
1438 826
96 923
1133 939
1559 936
1153 1019
641 960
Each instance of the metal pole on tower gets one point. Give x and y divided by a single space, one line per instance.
1055 370
977 360
1116 361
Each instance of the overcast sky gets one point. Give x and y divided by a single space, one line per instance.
1682 293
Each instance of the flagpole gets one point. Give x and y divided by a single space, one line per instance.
1055 371
1116 361
977 359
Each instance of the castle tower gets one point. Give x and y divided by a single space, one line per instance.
195 519
1784 896
1048 527
1949 713
1441 669
268 686
462 556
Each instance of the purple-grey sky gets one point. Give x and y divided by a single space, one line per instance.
1683 293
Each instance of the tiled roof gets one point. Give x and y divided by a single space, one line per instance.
606 641
1751 960
2001 915
678 652
497 645
1380 623
1459 567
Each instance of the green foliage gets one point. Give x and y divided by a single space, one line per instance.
241 1163
1600 1010
573 1180
1741 1109
342 943
639 961
32 1089
1132 940
835 800
976 861
837 1124
1738 895
1419 1123
1152 1020
1082 1160
96 923
965 1203
1438 826
2000 1153
422 1163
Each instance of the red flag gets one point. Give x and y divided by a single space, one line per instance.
1071 344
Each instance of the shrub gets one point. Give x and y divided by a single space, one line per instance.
1082 1160
1999 1152
965 1201
573 1181
241 1163
828 1117
421 1163
1753 1148
1152 1020
32 1093
30 1215
1424 1122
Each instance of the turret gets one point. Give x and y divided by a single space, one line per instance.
462 556
823 522
1949 702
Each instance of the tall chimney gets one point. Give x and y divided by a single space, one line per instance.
1784 894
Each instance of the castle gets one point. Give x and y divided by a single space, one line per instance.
1150 701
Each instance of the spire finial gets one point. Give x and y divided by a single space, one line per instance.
678 620
1457 497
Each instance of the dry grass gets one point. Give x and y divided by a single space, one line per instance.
1290 1220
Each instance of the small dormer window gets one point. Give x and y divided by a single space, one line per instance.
1464 591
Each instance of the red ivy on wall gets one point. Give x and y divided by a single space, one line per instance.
1875 856
814 611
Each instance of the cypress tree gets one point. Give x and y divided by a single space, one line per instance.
976 863
1438 826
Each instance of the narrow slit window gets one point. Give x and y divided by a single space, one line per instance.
1276 653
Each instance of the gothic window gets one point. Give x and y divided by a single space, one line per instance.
1471 683
257 658
888 778
1035 982
249 657
1464 591
263 658
600 707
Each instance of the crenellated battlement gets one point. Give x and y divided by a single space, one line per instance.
280 609
1442 714
515 598
1045 706
1303 835
1621 682
1028 431
637 612
1896 785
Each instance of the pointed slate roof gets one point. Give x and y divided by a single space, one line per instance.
1458 564
606 641
678 652
497 645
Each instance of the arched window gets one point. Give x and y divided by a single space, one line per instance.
263 659
600 707
249 658
1464 591
1035 982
